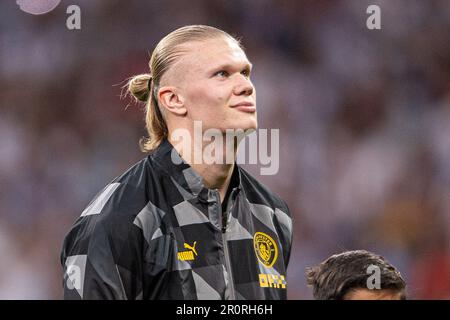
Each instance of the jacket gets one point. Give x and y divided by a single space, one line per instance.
156 232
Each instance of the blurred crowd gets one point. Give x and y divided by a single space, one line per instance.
364 120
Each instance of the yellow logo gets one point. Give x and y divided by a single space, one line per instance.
188 255
272 281
265 248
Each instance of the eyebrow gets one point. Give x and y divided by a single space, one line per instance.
248 65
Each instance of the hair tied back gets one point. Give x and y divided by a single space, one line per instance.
149 84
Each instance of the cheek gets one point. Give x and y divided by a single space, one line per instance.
207 96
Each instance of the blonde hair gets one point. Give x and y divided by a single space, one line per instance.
144 87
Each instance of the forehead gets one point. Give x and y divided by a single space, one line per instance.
207 54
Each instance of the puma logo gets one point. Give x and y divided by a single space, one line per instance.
188 255
187 246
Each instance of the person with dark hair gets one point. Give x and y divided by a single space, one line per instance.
172 227
356 275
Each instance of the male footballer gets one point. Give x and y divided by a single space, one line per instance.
173 227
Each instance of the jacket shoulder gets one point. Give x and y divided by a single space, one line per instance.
114 208
259 193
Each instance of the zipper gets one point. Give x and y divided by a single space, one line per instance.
225 251
228 267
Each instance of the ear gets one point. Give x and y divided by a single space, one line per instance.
171 101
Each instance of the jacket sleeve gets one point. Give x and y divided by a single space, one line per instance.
102 253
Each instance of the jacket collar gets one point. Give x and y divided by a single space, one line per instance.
184 176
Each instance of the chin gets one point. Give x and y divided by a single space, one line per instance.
250 123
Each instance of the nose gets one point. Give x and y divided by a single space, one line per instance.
243 86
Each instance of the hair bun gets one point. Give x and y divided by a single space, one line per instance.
139 87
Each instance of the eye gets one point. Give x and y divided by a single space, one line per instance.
221 74
246 72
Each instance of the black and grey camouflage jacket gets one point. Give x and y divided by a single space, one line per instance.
156 232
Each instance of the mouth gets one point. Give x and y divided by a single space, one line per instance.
248 107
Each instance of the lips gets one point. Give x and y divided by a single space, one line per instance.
245 107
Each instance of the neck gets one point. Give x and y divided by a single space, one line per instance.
216 174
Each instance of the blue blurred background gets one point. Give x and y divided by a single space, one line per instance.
364 119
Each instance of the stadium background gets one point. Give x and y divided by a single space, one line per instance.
363 118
